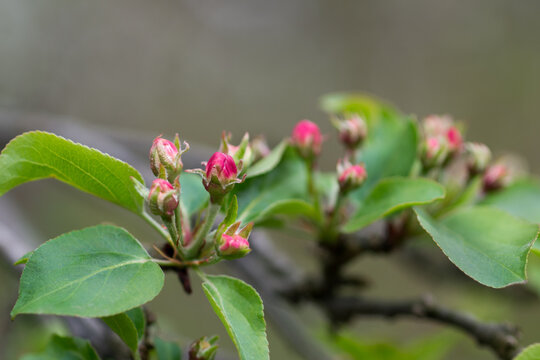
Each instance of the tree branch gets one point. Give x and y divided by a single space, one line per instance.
501 338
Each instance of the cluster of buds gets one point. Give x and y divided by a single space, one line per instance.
350 176
234 241
306 137
442 140
352 131
166 164
166 158
204 348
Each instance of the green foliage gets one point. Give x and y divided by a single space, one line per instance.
257 196
487 244
368 107
269 162
521 199
65 348
38 155
390 150
391 195
167 350
94 272
530 353
194 196
129 326
241 311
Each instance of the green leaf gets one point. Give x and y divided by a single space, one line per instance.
241 311
65 348
487 244
391 195
390 150
286 182
129 326
167 350
194 196
24 259
94 272
343 103
38 155
269 162
292 207
531 352
521 199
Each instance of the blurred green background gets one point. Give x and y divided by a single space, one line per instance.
197 67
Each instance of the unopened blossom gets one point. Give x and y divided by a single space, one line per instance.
307 138
162 198
350 176
352 131
165 158
435 152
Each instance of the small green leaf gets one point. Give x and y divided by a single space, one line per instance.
94 272
531 352
269 162
344 103
38 155
391 195
487 244
129 326
291 207
65 348
287 181
194 195
167 350
521 199
139 320
241 311
390 150
24 259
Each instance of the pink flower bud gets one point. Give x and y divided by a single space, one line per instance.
307 138
221 168
435 126
163 198
495 177
352 131
435 152
350 176
455 140
165 158
234 246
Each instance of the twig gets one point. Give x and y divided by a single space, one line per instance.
501 338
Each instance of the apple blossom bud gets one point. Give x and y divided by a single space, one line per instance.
234 243
307 138
478 157
435 152
350 176
352 131
234 246
221 168
165 158
455 140
203 349
444 129
163 198
495 177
